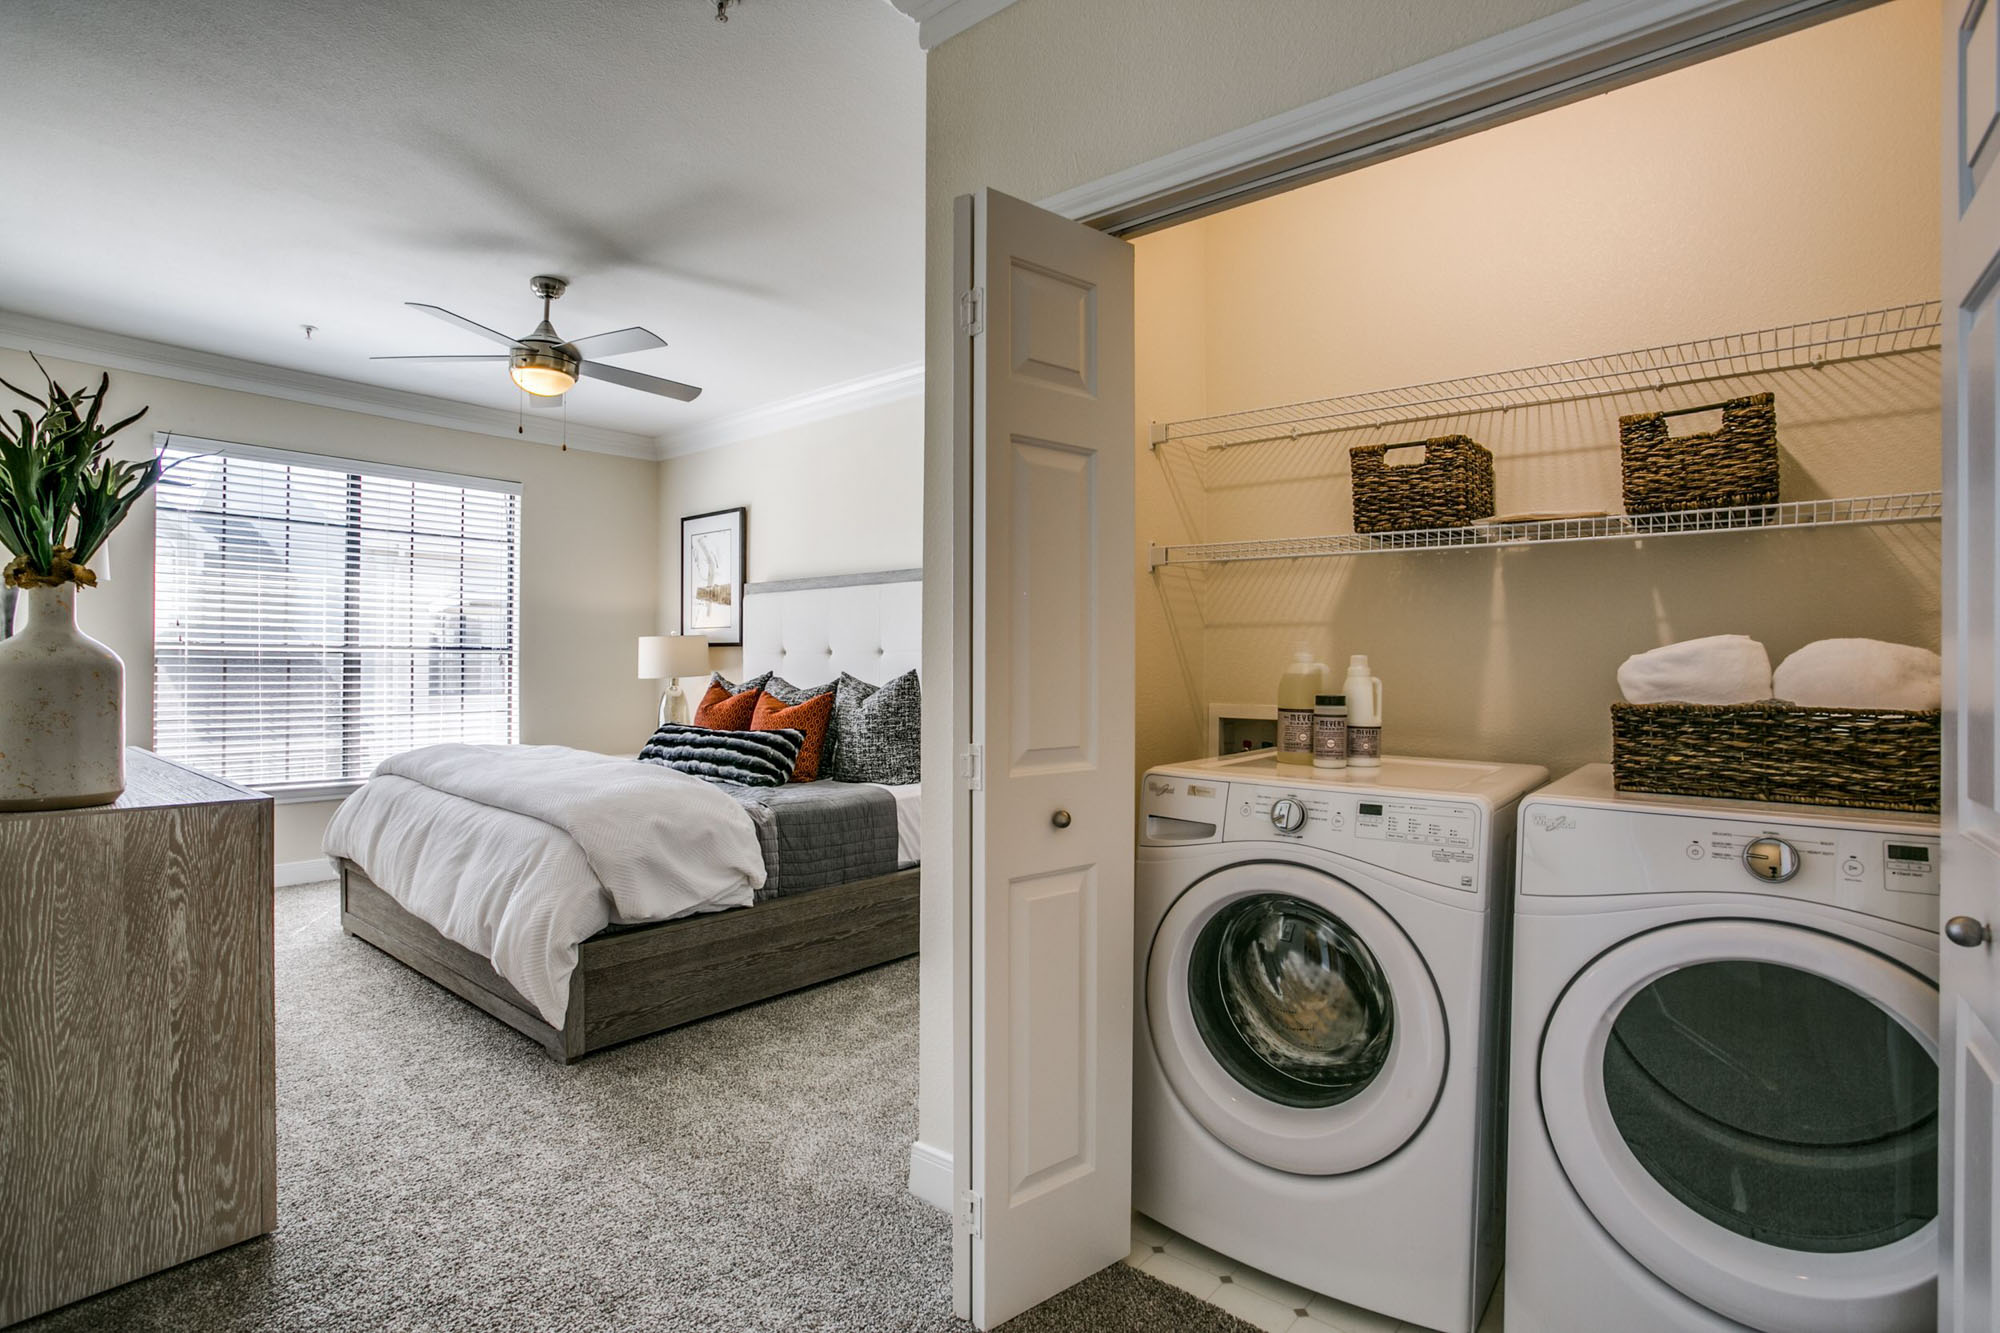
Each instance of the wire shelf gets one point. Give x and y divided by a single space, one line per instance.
1812 345
1913 507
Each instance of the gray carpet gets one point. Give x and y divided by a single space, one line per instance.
437 1172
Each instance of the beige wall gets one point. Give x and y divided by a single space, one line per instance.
589 556
1049 95
1624 221
839 496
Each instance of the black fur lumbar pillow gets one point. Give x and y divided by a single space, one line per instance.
752 758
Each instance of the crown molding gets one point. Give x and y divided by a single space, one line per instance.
116 351
940 20
834 400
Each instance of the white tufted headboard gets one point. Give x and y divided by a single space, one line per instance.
810 630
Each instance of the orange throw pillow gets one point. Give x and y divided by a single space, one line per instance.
812 717
723 711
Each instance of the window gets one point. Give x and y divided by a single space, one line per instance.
313 616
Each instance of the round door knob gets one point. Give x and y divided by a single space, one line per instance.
1772 860
1287 815
1060 819
1965 932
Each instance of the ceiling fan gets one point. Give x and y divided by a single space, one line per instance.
548 367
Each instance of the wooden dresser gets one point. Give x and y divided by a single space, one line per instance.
138 1066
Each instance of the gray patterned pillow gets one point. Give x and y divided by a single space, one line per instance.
876 730
754 683
793 695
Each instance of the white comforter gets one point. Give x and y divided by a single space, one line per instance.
522 852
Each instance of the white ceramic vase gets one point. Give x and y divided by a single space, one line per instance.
62 700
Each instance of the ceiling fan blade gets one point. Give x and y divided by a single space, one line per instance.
618 342
483 356
632 379
462 322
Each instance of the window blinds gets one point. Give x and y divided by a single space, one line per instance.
313 616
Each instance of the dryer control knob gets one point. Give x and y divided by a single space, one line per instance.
1287 815
1772 860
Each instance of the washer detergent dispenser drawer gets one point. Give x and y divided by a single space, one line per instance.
1175 811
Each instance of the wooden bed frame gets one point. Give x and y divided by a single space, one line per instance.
632 983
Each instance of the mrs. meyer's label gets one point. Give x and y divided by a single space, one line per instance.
1364 742
1329 738
1295 730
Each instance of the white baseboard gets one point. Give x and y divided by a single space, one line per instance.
930 1175
318 870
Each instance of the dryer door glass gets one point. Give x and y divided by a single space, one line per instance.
1778 1104
1289 1001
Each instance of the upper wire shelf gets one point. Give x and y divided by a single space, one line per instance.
1816 343
1912 507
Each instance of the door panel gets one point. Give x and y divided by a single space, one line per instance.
1970 888
1048 1135
1977 1152
1054 1059
1055 578
1055 328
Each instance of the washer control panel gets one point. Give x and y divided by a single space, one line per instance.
1421 822
1436 841
1588 851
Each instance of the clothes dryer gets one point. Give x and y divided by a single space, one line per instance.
1724 1067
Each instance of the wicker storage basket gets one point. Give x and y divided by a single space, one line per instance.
1877 760
1449 489
1718 469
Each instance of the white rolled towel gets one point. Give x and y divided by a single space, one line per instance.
1721 669
1860 673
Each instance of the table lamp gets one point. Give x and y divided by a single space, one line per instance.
668 657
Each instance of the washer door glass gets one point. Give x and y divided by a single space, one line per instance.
1778 1104
1290 1001
1269 1010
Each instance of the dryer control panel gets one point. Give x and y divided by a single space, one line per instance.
1586 851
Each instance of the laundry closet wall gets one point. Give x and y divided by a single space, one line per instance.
1785 182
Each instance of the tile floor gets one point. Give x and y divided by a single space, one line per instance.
1258 1298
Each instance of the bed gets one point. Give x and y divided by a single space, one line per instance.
814 920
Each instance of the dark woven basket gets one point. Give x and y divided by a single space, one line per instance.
1734 466
1874 759
1449 489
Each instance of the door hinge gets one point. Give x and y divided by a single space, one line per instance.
972 1213
972 767
972 311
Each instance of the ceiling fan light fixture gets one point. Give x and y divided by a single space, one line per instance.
546 374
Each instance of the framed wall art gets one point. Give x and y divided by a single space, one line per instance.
713 550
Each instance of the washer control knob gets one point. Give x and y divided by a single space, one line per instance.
1287 815
1772 860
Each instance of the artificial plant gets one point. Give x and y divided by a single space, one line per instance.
60 495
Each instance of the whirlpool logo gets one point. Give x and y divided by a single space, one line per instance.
1156 787
1553 823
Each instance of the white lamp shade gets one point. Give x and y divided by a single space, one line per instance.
666 656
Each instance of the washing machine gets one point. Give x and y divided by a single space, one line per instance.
1724 1067
1319 977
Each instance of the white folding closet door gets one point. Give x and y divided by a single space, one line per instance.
1969 1062
1048 757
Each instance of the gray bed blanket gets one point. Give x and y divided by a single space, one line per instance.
816 834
